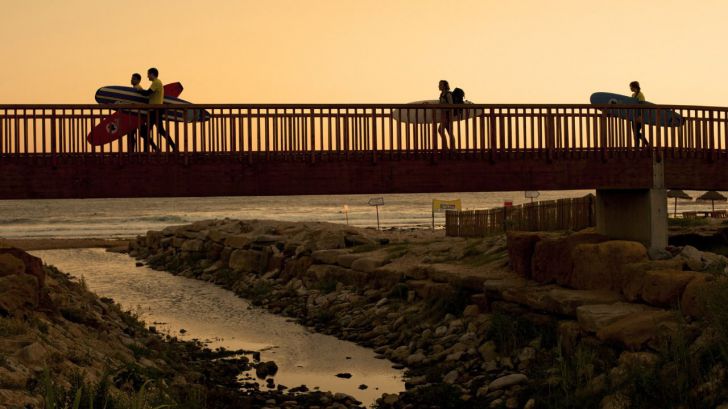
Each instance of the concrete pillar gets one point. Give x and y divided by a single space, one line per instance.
636 214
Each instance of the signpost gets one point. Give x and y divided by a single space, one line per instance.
346 213
376 202
443 206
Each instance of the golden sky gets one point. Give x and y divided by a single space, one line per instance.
349 51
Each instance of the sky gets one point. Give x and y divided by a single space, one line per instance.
374 51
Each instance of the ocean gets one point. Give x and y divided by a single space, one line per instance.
118 218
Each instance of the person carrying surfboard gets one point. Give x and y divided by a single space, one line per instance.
446 115
637 94
156 97
136 80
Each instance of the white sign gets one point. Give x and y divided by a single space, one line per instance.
376 201
532 194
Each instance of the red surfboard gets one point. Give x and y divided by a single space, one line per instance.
119 124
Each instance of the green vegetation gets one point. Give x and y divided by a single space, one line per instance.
692 222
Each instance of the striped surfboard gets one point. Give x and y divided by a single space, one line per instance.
115 94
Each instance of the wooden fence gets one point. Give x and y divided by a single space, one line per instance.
562 214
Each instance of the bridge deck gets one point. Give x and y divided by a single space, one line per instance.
346 149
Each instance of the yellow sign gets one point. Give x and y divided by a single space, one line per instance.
444 205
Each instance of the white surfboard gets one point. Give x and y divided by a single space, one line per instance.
428 116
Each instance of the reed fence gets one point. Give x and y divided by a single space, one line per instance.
550 215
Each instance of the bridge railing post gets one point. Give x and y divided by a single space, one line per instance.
603 136
374 135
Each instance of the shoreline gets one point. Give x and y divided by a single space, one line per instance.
31 244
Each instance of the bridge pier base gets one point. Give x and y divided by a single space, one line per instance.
636 214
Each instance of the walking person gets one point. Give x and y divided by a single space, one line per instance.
156 97
445 116
136 80
637 94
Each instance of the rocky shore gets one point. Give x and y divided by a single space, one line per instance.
532 320
61 344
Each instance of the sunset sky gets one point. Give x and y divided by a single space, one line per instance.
346 51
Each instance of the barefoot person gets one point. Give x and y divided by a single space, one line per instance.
156 97
446 115
637 94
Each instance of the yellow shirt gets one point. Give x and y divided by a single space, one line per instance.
639 96
157 96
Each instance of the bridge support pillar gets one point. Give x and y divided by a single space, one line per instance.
636 214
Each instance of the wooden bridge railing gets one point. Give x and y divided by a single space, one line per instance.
552 215
256 132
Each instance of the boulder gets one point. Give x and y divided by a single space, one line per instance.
238 241
327 272
19 294
693 258
346 260
248 261
368 264
521 246
33 265
692 302
635 330
600 266
552 257
558 300
665 288
632 277
10 265
327 256
193 245
594 317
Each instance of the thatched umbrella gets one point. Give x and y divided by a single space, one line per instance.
712 195
678 194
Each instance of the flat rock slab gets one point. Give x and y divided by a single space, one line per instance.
639 328
594 317
558 300
506 381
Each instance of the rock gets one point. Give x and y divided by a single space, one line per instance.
33 265
521 246
34 353
659 254
636 329
347 259
530 404
428 290
592 318
344 375
238 241
633 275
451 377
558 300
600 266
19 293
245 261
692 301
471 311
367 264
10 264
553 260
389 398
265 369
615 401
693 258
193 245
665 288
363 387
507 381
488 351
327 256
527 354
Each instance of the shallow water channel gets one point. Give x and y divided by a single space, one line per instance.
220 318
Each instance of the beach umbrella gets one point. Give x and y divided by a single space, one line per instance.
678 194
712 196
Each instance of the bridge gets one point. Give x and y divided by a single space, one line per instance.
245 149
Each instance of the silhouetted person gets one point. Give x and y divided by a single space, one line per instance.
445 115
637 94
156 97
136 80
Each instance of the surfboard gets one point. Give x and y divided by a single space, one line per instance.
428 116
659 117
126 95
120 123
